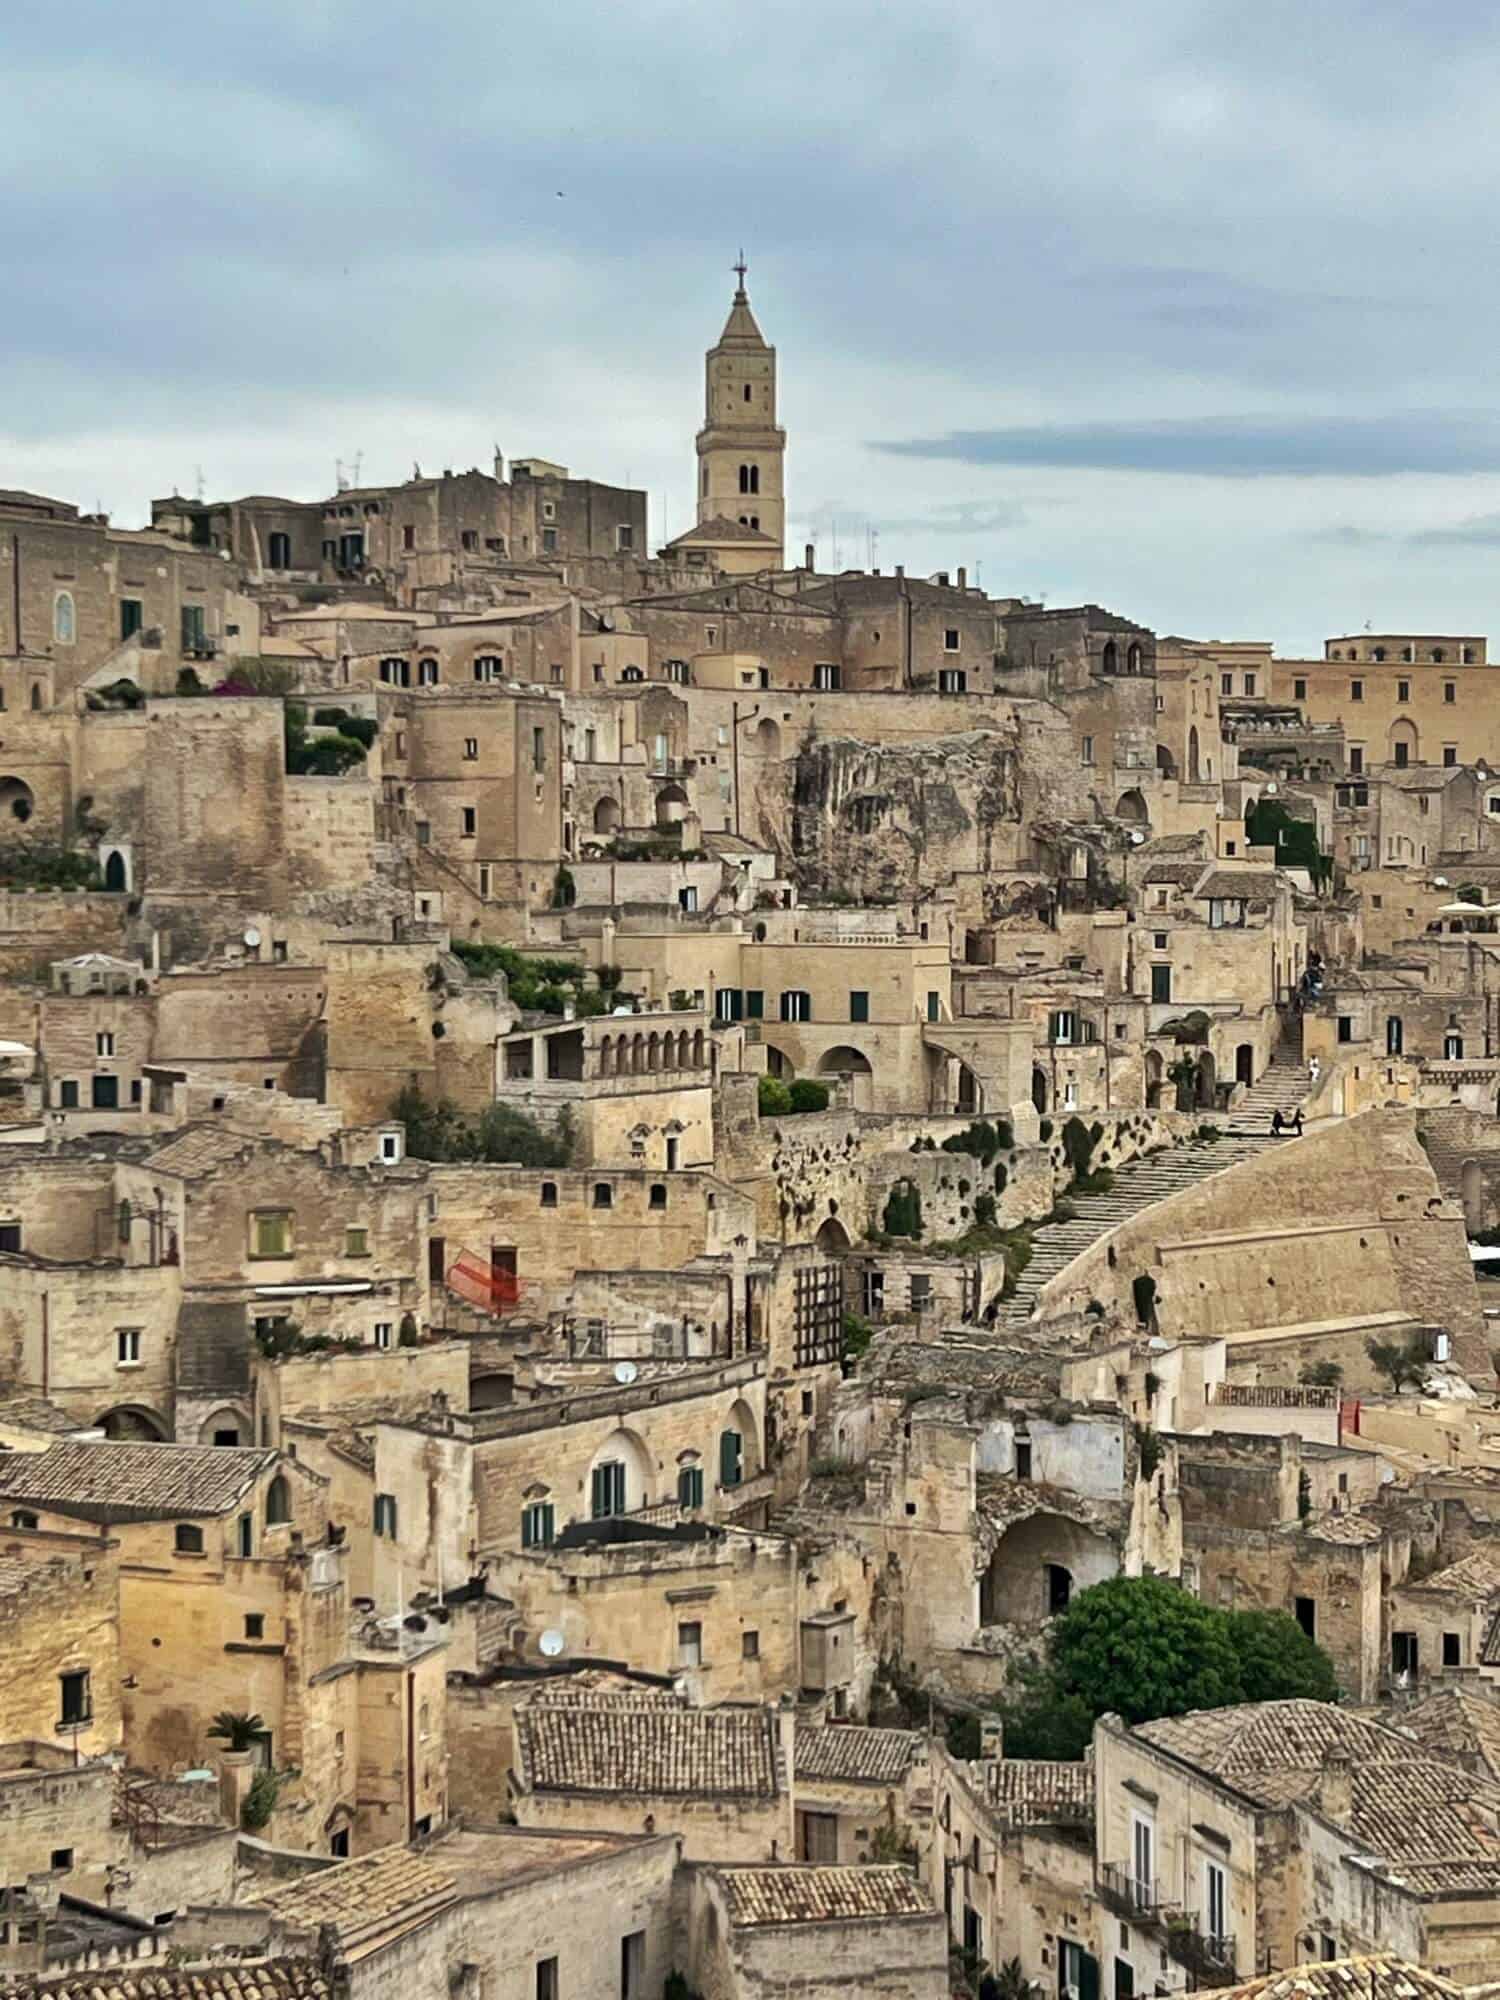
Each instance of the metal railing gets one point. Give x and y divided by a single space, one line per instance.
1209 1957
1132 1895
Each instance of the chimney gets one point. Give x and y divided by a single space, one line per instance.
942 577
1336 1787
786 1729
963 579
901 569
807 557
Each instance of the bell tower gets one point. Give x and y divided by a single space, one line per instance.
741 448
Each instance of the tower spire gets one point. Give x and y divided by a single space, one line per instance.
740 269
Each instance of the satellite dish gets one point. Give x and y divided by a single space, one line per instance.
1271 787
552 1643
252 937
1439 881
1136 839
626 1371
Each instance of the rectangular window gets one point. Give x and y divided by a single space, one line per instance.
384 1332
385 1516
470 822
194 640
77 1706
471 748
104 1044
1299 690
67 1095
104 1093
1215 1900
1062 1026
826 679
729 1004
690 1644
408 536
624 536
687 900
796 1006
952 680
934 1006
607 1489
1161 983
356 1242
537 1525
1088 750
1402 754
1356 690
484 879
859 1006
690 1488
731 1458
1403 690
950 639
604 1194
755 1004
469 539
1143 1858
271 1232
128 1347
255 1625
549 541
1450 755
1453 1649
1356 758
538 749
130 617
1249 683
547 1987
1450 691
1346 1027
749 1645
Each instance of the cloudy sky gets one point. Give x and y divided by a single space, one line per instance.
1184 307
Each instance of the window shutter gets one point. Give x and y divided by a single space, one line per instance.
729 1458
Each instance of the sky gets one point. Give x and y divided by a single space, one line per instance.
1182 308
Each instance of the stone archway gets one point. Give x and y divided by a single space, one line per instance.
1039 1088
1131 807
133 1423
768 738
833 1238
606 815
1156 1077
17 801
1206 1081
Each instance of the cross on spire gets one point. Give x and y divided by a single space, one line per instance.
740 269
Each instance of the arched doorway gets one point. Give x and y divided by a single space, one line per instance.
1244 1064
1039 1087
132 1423
833 1238
1193 755
850 1062
1404 743
1166 764
16 800
1037 1567
671 805
606 815
619 1479
970 1099
1205 1084
768 738
116 880
1131 807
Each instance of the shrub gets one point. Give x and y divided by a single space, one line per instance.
858 1333
809 1095
773 1099
984 1210
260 1800
1320 1374
903 1211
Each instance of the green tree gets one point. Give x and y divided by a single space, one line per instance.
1140 1647
1320 1374
239 1730
1402 1362
1278 1662
809 1095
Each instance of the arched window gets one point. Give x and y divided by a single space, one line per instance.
1111 657
278 1502
749 479
187 1539
1133 660
64 619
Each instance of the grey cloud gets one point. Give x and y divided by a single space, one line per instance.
1482 531
1233 447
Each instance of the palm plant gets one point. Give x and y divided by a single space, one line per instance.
239 1731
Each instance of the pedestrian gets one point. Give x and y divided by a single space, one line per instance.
1276 1123
1297 1123
1314 1069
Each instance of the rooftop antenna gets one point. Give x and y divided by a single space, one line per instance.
359 459
340 483
874 544
198 485
740 269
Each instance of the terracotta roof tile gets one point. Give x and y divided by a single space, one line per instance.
354 1893
237 1979
721 529
821 1895
1037 1791
199 1150
132 1481
1375 1978
1477 1577
649 1750
842 1752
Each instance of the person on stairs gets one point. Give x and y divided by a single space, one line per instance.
1276 1125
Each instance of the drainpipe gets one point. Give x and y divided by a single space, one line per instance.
734 737
15 585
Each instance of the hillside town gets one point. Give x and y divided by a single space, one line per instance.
721 1277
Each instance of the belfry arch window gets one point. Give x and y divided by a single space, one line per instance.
749 479
64 619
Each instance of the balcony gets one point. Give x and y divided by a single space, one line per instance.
1210 1959
1134 1897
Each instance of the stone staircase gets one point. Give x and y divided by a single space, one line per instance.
1137 1186
1281 1087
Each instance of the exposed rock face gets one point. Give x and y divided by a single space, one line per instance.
879 822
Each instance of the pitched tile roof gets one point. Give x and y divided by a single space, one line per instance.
1462 1723
1038 1791
789 1895
199 1150
369 1889
721 529
1476 1577
36 1413
647 1749
132 1482
856 1756
1260 1741
263 1979
1376 1978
